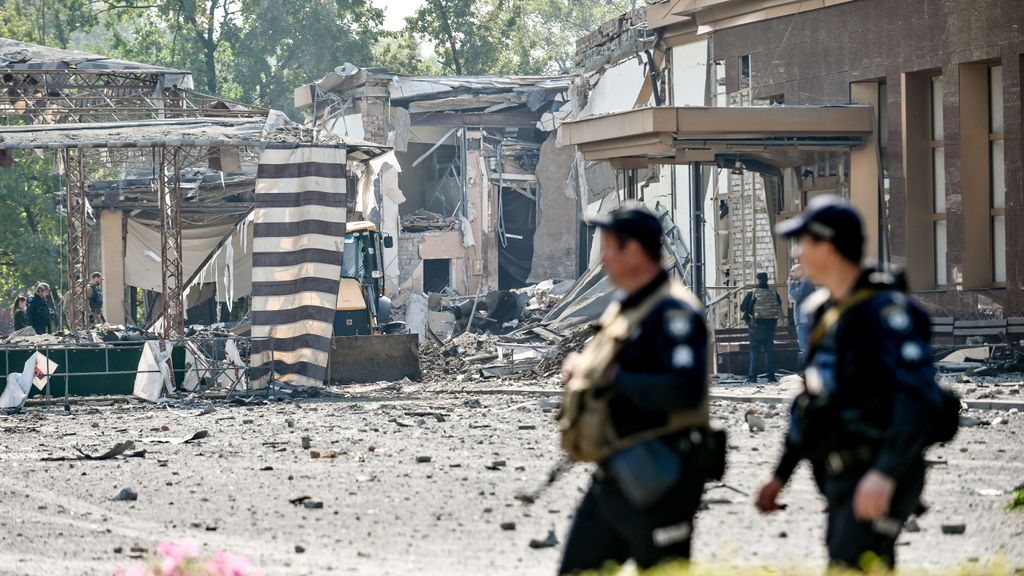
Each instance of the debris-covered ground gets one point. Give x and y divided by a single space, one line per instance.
419 478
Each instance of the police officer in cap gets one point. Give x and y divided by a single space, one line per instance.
636 404
871 402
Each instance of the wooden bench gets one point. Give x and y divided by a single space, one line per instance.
942 329
994 329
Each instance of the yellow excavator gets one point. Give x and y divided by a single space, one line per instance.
367 345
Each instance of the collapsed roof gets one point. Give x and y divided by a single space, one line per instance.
435 100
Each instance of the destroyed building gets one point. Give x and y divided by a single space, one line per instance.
478 194
937 158
196 210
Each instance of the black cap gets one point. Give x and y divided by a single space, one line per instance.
832 219
633 221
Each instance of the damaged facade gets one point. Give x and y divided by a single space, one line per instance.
477 194
937 180
944 78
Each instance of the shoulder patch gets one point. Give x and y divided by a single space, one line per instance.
815 300
897 318
678 323
911 352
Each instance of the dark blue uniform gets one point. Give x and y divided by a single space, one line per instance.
661 369
39 315
873 397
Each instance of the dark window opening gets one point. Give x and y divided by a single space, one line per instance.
437 274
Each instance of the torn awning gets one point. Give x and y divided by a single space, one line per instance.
137 134
778 135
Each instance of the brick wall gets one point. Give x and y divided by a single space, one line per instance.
811 58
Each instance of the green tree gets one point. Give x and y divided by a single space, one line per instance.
556 25
277 45
256 51
474 37
31 234
506 36
45 21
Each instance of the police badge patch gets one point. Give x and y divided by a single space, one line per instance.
677 324
911 352
896 318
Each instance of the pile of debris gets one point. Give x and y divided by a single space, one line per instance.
440 362
524 333
984 360
99 334
422 220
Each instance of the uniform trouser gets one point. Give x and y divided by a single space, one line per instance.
608 528
762 338
855 544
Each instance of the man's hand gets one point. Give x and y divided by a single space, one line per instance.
873 496
569 366
767 497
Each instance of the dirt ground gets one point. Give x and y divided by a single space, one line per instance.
386 513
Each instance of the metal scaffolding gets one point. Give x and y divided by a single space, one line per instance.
51 88
75 306
171 161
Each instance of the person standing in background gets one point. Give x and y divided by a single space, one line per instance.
18 311
40 316
799 289
762 308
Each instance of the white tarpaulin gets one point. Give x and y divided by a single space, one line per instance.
154 372
142 257
36 372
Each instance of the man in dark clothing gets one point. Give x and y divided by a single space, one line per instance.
94 295
762 308
40 316
870 395
641 381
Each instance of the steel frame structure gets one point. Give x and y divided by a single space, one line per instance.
67 96
76 308
51 94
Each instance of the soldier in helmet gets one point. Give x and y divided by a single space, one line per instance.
636 404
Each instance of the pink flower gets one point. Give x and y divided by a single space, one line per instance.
134 570
173 554
225 563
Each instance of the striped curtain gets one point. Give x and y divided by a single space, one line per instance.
298 236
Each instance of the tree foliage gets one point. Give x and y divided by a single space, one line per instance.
31 230
476 37
509 36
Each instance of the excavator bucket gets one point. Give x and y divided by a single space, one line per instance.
376 358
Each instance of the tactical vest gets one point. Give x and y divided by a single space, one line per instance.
766 304
588 434
95 298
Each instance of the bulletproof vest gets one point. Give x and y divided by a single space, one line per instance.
588 434
766 304
822 354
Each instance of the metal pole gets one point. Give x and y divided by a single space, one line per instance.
697 230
